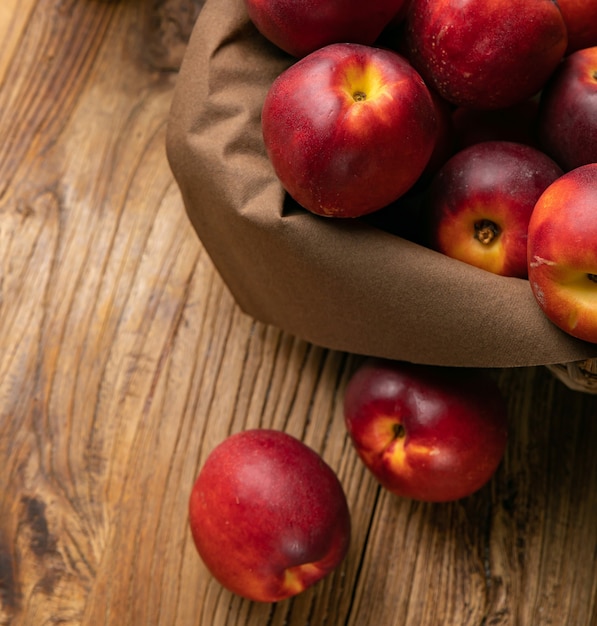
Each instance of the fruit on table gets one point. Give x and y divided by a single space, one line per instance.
485 53
481 200
299 27
427 433
562 252
348 129
567 117
268 516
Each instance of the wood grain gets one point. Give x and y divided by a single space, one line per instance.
124 361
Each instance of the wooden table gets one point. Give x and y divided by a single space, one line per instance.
124 360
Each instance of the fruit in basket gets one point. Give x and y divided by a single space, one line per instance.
562 252
580 17
268 516
481 200
349 129
485 53
300 27
428 433
567 118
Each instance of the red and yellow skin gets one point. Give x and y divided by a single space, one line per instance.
349 129
567 117
485 54
562 252
426 433
481 201
268 516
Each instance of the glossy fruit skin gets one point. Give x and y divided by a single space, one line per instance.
567 117
268 516
480 204
349 129
426 433
580 17
299 27
562 252
485 54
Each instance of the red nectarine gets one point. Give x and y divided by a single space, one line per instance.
567 117
268 515
428 433
562 252
485 54
481 200
349 129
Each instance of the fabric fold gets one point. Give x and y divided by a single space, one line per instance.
341 284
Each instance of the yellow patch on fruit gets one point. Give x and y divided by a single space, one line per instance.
572 319
363 83
488 257
485 251
577 293
379 436
576 284
298 578
365 91
403 453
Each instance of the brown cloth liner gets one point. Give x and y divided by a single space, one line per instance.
340 284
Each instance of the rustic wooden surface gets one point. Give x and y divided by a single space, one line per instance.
124 360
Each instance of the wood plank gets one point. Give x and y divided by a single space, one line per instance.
124 361
521 551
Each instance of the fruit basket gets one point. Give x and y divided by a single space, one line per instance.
339 283
578 375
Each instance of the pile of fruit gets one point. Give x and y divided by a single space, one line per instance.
482 110
480 114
